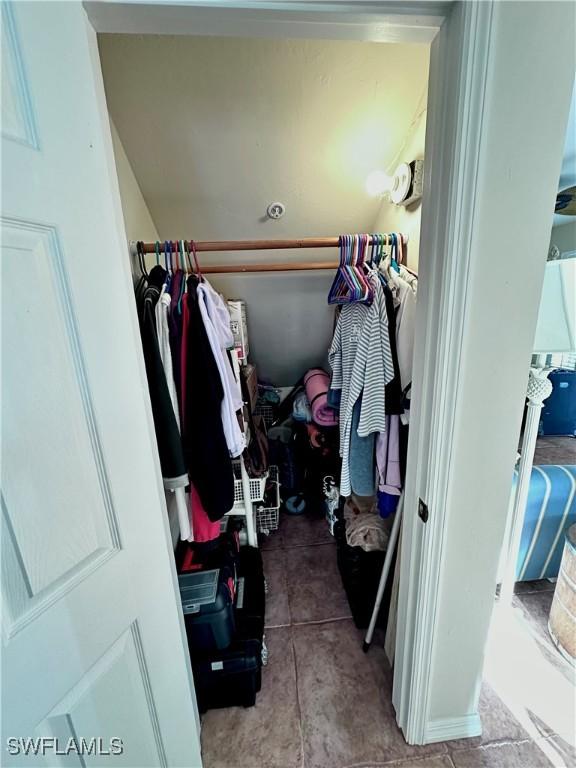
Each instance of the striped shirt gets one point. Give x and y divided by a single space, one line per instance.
361 363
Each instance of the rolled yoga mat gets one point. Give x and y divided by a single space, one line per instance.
316 384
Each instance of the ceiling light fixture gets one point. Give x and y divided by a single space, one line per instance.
404 187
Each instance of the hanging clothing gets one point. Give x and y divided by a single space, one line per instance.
216 320
175 333
163 333
179 502
362 456
361 363
204 528
170 450
394 397
403 287
388 461
207 455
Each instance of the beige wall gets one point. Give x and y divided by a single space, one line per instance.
138 222
139 226
399 218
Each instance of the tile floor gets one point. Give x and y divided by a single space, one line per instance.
326 704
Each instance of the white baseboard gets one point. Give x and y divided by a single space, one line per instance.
448 728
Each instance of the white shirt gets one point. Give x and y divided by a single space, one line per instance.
217 323
403 287
163 334
178 495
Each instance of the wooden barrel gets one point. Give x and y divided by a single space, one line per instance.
562 621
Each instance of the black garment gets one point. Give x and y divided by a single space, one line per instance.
207 454
175 333
394 400
167 432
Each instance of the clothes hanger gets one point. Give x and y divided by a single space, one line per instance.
352 279
194 254
166 247
187 269
352 270
157 250
357 245
379 244
343 287
362 267
140 264
393 261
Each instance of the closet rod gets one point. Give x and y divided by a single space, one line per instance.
259 245
286 266
263 245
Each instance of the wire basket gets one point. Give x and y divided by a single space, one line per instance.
266 411
257 486
268 518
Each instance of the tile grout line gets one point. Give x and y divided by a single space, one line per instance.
298 705
402 761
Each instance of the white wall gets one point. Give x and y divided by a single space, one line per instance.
564 236
400 218
503 296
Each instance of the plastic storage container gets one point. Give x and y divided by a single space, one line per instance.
207 603
233 677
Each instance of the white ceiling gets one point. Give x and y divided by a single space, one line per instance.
217 128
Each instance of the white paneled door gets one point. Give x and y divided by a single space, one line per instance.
94 656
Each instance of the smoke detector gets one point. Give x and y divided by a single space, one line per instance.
276 210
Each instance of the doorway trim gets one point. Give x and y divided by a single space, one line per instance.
462 34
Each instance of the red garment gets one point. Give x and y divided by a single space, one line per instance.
204 529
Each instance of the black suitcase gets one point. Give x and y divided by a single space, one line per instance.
208 606
360 572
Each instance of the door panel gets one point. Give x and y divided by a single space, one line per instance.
64 519
93 638
116 689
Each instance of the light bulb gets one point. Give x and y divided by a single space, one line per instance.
378 183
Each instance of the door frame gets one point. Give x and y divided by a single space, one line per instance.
463 35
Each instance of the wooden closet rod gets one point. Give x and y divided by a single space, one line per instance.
262 245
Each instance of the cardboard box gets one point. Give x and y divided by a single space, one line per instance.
239 328
250 376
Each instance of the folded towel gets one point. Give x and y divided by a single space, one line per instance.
316 384
364 529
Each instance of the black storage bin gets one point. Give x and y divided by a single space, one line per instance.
207 602
231 678
251 593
